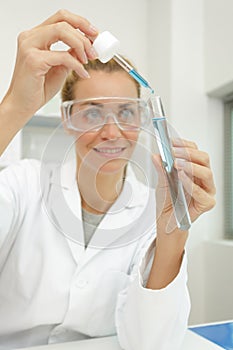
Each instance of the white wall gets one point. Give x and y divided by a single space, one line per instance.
159 48
129 26
177 66
219 282
218 47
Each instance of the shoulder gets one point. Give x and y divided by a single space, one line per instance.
19 184
21 171
27 176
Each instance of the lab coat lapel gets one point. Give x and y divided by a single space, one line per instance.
118 226
65 207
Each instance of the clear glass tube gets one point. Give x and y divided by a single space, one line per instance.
165 148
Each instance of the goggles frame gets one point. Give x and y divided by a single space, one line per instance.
66 108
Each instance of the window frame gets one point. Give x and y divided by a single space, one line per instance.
228 168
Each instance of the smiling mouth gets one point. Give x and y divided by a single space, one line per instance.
110 151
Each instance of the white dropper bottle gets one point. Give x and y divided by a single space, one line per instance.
107 45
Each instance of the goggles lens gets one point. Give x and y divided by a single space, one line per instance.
92 114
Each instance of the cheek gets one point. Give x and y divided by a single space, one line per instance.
82 143
132 136
83 140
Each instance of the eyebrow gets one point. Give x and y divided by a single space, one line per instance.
92 104
101 105
127 104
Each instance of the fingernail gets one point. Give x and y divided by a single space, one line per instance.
93 29
92 53
177 141
177 151
84 58
83 73
180 163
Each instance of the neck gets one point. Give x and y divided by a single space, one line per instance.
98 190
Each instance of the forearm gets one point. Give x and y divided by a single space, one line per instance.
167 259
10 123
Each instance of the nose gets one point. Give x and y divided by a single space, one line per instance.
110 129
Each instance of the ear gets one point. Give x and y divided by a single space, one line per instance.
68 131
64 123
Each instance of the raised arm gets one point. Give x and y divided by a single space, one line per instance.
39 72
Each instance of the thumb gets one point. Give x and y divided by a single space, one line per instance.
166 221
158 163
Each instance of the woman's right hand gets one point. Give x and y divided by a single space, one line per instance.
40 72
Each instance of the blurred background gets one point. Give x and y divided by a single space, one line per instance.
184 48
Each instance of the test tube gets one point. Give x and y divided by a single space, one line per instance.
165 148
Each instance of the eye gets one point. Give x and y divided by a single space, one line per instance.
91 115
127 114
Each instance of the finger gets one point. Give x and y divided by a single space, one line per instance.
203 201
45 36
74 20
162 189
157 161
163 199
80 45
177 142
89 50
48 59
193 155
203 175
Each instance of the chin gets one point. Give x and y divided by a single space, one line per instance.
113 166
102 165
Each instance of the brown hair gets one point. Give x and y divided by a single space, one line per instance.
109 67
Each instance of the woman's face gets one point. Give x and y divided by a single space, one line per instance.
109 149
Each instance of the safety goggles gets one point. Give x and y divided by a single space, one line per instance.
129 114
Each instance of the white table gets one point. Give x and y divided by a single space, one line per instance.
192 342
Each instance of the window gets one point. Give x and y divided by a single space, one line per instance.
228 169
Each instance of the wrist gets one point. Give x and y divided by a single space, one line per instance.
168 257
172 243
12 115
10 122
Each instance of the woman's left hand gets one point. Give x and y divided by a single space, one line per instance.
194 171
196 175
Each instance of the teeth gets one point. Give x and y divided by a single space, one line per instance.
109 150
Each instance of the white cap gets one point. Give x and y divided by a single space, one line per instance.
106 46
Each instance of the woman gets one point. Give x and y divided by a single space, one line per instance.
106 273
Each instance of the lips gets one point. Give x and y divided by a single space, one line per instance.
109 151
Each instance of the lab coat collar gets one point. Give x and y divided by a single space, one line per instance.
117 226
130 195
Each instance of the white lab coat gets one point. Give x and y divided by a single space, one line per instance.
53 290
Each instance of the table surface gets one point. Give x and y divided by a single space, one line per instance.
192 342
